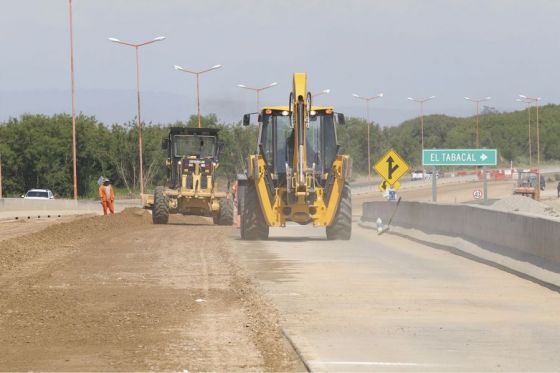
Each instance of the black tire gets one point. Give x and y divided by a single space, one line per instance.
253 225
225 215
341 228
160 210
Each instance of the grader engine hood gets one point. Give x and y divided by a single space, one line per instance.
196 175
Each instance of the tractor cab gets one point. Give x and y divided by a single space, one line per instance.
276 142
191 151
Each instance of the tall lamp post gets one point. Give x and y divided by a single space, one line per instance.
477 101
75 172
367 100
138 120
323 92
197 73
536 101
0 176
528 103
421 101
258 90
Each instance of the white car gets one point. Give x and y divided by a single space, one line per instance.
38 194
417 175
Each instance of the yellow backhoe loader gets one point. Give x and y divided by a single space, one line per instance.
297 173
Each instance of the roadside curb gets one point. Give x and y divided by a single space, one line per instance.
296 349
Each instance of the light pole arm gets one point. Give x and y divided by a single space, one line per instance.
125 43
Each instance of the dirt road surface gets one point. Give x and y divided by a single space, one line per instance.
121 294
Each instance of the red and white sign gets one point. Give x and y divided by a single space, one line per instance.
477 194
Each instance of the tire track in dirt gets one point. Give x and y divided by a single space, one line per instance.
118 293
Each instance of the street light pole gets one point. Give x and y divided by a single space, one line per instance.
74 166
528 103
323 92
367 100
1 176
197 73
421 101
536 101
138 120
258 90
477 101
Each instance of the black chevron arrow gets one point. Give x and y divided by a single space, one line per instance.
391 169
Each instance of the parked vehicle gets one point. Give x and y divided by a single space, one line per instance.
38 194
417 175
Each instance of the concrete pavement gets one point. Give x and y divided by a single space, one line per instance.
384 303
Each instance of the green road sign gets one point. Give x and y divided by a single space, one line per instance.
459 157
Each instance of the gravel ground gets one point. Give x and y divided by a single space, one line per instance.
523 204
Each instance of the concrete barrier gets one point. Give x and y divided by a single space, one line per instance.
16 206
523 237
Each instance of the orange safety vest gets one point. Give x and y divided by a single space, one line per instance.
106 195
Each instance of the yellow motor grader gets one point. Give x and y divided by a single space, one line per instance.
298 173
191 184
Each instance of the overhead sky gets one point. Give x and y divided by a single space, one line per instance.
449 49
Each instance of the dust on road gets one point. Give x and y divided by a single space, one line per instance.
120 294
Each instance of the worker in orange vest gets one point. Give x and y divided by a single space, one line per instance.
107 196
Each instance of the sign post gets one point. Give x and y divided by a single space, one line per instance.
434 184
485 185
459 157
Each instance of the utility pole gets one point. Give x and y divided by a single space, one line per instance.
477 101
528 103
421 101
1 176
536 101
138 120
258 91
367 100
197 73
75 171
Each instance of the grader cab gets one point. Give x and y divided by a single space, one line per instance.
192 159
298 173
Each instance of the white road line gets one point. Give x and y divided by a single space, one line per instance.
373 363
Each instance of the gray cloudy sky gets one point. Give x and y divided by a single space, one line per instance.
445 48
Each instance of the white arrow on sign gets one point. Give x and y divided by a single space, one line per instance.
483 157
